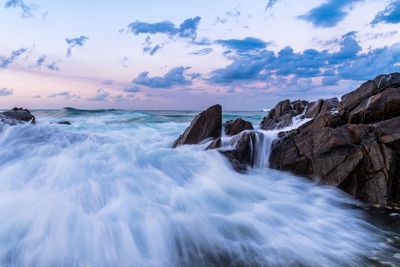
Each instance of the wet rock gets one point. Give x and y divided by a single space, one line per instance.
215 144
64 122
19 114
356 149
321 106
207 124
237 126
282 114
242 155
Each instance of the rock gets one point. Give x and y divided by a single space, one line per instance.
382 106
282 114
321 106
242 156
237 126
356 149
215 144
19 114
64 122
207 124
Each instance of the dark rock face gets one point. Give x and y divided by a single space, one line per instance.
282 114
237 126
242 156
321 106
207 124
64 122
356 149
19 114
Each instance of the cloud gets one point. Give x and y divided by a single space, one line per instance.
243 45
64 94
6 61
26 9
234 14
202 52
149 48
73 42
101 95
174 77
390 15
108 82
6 92
271 4
187 29
348 63
132 89
41 62
329 14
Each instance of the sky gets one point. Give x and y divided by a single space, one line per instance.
158 54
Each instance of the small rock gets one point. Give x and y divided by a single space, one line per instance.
237 126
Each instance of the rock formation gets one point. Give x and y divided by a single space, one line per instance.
207 124
282 114
237 126
356 148
16 115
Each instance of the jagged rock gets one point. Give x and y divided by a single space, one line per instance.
237 126
321 106
282 114
207 124
382 106
242 156
19 114
361 157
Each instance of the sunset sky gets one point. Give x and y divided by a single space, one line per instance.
157 54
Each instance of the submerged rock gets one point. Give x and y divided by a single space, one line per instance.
18 114
356 149
64 122
207 124
237 126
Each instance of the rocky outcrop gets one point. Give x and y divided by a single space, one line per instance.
64 122
282 114
16 115
207 124
242 155
237 126
321 106
356 148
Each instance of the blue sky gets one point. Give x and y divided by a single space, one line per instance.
154 54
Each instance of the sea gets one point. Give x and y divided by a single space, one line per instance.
108 190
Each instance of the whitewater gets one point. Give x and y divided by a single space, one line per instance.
109 191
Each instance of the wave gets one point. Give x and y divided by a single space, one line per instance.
122 197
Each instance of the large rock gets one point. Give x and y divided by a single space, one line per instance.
282 114
356 149
18 114
321 106
237 126
207 124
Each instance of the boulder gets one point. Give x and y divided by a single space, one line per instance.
282 114
237 126
356 149
321 106
19 114
242 155
207 124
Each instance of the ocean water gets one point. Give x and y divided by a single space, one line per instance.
109 191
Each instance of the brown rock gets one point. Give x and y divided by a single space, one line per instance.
205 125
234 127
282 114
